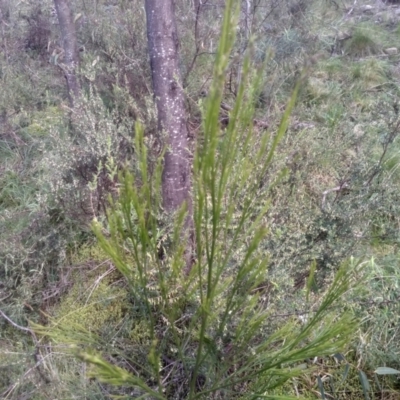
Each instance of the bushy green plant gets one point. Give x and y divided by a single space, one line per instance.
207 332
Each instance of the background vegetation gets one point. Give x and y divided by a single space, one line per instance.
336 198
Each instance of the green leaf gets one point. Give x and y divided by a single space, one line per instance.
339 357
311 283
364 384
386 371
321 387
345 372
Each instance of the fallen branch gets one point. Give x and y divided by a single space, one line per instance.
22 328
37 356
336 189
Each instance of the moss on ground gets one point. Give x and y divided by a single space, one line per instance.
96 298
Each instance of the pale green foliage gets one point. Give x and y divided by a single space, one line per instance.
80 171
92 303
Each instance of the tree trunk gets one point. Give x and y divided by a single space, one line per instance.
163 51
71 59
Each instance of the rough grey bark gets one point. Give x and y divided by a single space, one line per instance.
71 57
167 85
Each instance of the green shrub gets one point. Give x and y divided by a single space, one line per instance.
207 333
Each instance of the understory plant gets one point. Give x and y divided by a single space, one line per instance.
206 333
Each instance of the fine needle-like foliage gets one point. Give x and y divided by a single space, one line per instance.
208 334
